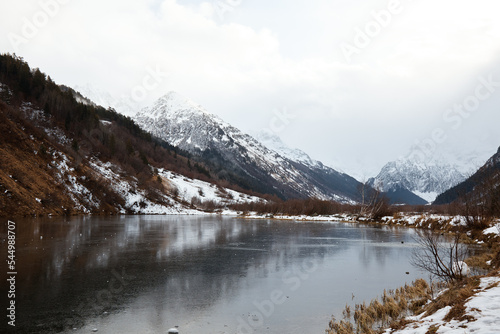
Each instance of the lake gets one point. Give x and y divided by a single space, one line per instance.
205 274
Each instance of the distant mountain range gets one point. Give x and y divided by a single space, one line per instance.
188 126
412 182
419 179
277 170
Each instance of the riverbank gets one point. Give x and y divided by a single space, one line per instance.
468 306
475 308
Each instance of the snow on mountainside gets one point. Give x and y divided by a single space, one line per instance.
180 190
193 127
430 174
429 169
426 180
273 142
190 127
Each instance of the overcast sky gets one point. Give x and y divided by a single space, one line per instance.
354 83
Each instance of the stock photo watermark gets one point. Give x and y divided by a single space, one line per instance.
367 33
264 309
280 120
152 80
11 273
31 26
222 7
455 116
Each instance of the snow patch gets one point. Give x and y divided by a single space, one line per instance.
493 230
484 306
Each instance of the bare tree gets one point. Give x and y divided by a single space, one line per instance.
374 203
441 257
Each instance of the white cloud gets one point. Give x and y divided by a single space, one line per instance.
264 56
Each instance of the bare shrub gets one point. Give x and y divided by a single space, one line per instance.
440 257
374 204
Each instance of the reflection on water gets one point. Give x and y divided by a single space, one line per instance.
204 274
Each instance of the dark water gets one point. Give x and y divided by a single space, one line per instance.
203 274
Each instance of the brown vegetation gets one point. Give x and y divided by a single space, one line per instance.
24 175
389 310
455 296
312 207
296 207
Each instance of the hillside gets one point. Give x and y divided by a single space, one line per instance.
481 188
59 156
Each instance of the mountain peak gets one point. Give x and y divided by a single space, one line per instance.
172 103
174 97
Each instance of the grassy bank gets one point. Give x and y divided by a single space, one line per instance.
439 307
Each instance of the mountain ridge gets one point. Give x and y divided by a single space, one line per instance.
190 127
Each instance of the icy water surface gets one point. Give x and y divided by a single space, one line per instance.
204 274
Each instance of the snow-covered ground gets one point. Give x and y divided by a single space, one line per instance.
135 198
484 307
191 188
493 230
174 201
180 194
329 218
423 220
414 220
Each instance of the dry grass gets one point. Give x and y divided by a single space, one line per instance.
390 310
496 260
480 261
455 296
432 330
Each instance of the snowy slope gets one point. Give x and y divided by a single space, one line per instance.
172 202
274 142
135 199
188 189
426 180
190 127
483 307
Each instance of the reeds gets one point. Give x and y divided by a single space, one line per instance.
388 310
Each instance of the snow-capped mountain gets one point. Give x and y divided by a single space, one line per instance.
428 175
426 180
188 126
